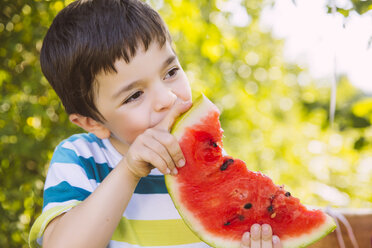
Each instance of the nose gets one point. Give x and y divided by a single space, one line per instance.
164 98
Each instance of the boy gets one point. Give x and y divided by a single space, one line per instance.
112 64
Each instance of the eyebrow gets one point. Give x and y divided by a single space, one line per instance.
135 83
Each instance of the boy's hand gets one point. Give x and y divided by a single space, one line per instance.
260 237
156 147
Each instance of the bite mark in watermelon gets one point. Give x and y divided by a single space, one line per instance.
219 198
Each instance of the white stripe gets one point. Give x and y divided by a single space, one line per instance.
151 207
71 173
54 204
117 244
113 155
142 207
155 172
87 150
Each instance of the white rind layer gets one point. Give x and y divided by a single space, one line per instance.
192 221
307 239
200 107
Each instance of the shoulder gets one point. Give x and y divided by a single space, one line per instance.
81 142
77 160
78 147
83 139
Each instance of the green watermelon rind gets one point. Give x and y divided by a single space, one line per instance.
307 239
201 106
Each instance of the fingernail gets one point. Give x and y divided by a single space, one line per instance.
275 239
256 228
246 237
181 162
265 230
255 231
186 103
174 171
167 171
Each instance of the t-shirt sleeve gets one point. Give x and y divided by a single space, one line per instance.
66 185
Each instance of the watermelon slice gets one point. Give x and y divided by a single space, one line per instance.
219 198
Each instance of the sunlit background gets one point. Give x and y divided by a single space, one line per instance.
291 77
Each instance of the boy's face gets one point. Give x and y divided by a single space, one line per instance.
141 93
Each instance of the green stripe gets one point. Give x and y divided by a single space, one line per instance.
154 232
38 228
139 232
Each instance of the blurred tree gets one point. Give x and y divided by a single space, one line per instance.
346 7
32 121
275 116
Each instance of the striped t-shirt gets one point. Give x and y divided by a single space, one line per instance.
79 164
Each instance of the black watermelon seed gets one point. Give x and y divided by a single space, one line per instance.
270 208
287 194
226 164
248 205
214 144
227 223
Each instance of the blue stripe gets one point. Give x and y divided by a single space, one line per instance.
151 185
64 155
64 192
95 171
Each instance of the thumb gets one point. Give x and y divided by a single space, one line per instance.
177 109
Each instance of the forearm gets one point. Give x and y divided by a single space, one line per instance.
92 222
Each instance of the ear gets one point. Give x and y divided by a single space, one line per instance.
90 125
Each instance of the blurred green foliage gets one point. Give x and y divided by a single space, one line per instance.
359 6
275 116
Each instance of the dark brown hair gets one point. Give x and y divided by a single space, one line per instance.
87 37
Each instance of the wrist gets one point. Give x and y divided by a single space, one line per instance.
128 172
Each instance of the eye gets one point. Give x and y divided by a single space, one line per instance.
133 97
172 73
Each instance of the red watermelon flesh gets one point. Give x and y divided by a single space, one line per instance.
219 198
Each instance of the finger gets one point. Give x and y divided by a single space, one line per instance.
162 151
266 233
154 159
171 143
178 108
246 240
276 242
255 236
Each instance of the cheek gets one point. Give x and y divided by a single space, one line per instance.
132 125
183 90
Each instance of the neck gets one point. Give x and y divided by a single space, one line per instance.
121 147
